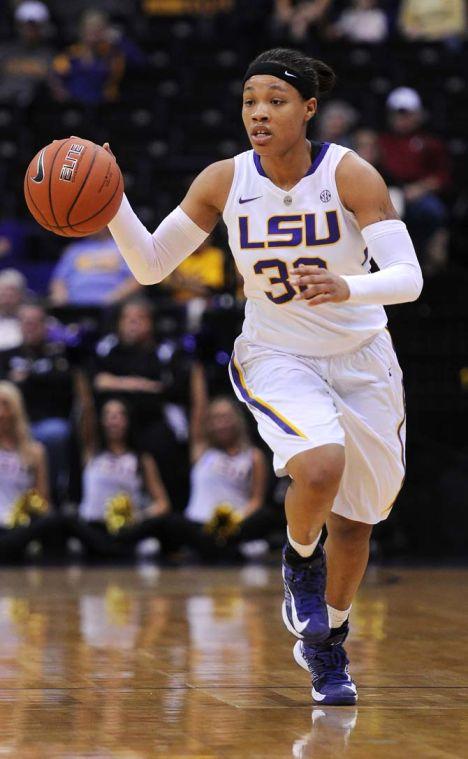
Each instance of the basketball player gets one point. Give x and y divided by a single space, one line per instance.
314 362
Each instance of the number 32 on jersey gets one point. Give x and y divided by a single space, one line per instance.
282 278
293 230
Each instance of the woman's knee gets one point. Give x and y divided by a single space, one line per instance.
348 530
318 471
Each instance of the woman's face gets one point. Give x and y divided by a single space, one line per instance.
275 115
223 424
6 413
114 420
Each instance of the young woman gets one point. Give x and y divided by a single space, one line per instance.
314 363
113 469
226 467
227 472
23 468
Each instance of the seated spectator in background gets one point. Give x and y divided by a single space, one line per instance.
435 20
90 71
91 271
364 22
226 467
127 365
365 142
335 120
195 280
114 471
228 484
42 372
295 17
25 61
418 163
12 292
22 469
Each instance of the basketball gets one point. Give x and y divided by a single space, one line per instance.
73 187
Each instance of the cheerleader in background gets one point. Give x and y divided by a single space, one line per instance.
227 482
120 486
24 489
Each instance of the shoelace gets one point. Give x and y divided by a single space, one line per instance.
330 662
310 584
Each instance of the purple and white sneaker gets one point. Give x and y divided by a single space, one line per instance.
304 609
328 664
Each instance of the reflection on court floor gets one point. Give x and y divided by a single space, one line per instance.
195 663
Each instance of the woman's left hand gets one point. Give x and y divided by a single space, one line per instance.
321 285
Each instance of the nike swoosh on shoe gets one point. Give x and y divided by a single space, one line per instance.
298 625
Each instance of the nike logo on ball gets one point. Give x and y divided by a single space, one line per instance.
249 200
40 168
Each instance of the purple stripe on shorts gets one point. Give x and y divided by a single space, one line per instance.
258 404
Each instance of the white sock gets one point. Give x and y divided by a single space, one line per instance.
336 617
301 549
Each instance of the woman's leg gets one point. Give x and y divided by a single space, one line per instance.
95 538
315 479
48 530
347 549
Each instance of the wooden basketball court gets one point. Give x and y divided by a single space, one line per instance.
195 663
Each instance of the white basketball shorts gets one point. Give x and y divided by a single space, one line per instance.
354 399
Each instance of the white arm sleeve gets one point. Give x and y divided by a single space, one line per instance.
399 279
152 257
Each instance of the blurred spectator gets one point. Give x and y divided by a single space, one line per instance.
226 467
435 20
129 365
364 22
196 279
228 482
418 163
22 470
41 370
22 460
91 271
296 17
25 61
12 292
115 471
365 142
90 71
335 120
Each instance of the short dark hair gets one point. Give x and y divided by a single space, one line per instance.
138 300
320 75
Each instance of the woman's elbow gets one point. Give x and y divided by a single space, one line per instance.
418 285
146 278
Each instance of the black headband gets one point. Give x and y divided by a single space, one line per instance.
286 73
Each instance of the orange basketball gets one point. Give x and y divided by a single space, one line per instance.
73 187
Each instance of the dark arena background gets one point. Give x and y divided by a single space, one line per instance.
169 642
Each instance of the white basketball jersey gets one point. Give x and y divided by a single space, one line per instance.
273 230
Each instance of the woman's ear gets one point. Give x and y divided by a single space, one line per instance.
310 108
